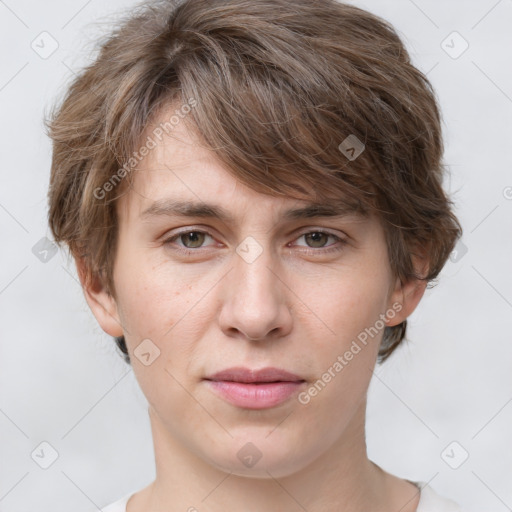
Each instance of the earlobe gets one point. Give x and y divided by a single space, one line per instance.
102 304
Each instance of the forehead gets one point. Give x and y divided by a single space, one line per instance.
181 176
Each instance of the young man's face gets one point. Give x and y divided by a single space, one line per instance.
258 290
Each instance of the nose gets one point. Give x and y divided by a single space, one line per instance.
255 299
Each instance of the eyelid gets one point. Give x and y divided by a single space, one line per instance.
327 231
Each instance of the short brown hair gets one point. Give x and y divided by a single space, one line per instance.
278 87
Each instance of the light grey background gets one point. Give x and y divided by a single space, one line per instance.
62 381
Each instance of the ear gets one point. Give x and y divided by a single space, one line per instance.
407 293
102 304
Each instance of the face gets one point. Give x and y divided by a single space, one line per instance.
197 294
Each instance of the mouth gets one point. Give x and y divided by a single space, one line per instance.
254 389
249 376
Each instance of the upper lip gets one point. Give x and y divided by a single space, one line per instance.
241 374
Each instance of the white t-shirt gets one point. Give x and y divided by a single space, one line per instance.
430 501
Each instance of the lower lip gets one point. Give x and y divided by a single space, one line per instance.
255 396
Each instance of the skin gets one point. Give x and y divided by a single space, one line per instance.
296 307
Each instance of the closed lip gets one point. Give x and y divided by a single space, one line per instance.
248 375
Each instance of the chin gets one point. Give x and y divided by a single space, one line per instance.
260 457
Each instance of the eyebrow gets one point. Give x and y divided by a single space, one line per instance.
174 207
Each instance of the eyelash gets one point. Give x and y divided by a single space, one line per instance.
311 250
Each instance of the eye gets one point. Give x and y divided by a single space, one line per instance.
317 240
191 239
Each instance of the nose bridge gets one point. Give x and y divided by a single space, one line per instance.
253 272
254 278
255 302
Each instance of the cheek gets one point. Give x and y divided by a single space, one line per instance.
171 308
345 305
166 309
152 297
348 312
345 358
